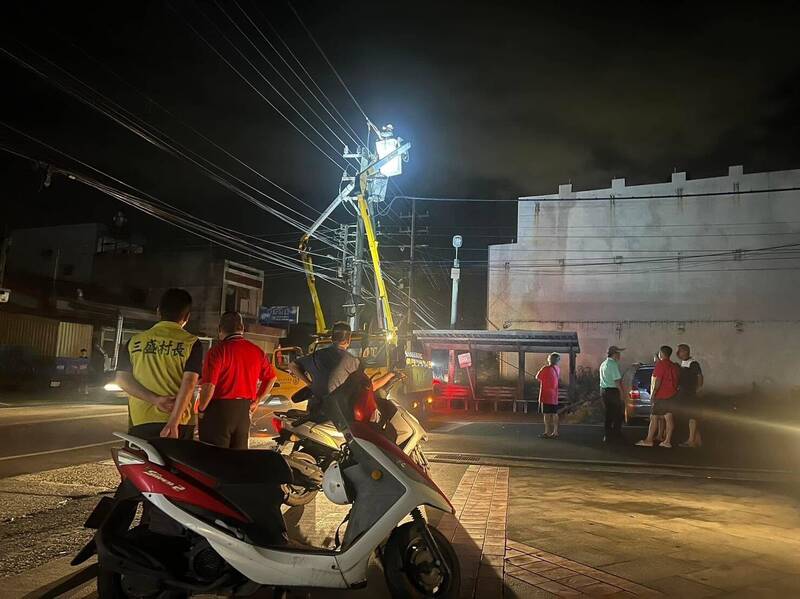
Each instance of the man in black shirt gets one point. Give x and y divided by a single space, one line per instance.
690 382
328 368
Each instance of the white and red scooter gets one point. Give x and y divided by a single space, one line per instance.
212 522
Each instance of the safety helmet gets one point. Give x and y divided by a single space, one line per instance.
333 485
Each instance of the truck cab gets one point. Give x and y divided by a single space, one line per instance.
286 384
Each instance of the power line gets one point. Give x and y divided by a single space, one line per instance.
180 219
275 50
183 123
129 123
646 236
254 88
613 198
356 137
259 72
330 64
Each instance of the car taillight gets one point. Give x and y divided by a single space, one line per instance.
634 393
277 424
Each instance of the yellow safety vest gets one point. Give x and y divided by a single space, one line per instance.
158 357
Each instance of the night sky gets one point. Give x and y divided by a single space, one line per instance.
499 100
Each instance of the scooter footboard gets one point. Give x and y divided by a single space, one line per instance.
264 565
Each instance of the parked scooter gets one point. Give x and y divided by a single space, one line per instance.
212 522
311 442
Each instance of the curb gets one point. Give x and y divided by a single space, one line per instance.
682 470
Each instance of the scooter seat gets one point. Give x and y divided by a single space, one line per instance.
226 466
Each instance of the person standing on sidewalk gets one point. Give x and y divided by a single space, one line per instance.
548 377
612 393
159 369
237 375
690 382
663 391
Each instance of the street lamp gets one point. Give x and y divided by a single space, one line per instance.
455 274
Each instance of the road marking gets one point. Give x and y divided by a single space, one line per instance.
449 428
63 419
51 451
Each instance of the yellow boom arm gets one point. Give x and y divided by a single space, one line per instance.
319 316
376 263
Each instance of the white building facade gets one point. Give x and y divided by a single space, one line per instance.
712 262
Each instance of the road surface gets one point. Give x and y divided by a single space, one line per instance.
35 438
41 437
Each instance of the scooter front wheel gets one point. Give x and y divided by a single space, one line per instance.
411 568
298 494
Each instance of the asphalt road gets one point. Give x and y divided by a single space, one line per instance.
42 437
36 438
583 443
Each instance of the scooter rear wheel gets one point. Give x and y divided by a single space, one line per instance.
410 568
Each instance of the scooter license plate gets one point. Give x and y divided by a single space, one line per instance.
287 448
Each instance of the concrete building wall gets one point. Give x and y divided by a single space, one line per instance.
719 272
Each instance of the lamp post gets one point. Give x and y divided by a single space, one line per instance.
455 274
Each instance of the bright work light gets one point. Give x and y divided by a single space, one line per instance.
384 146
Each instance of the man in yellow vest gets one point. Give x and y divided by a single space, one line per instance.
159 369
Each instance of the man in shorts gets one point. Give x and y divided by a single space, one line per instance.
691 380
548 377
663 391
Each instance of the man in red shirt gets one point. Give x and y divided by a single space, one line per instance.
236 377
663 389
548 377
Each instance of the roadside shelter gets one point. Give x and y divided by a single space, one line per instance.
522 343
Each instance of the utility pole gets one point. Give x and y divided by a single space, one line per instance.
410 310
355 320
358 254
361 191
4 245
55 271
412 231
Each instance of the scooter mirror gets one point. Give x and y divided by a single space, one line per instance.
301 395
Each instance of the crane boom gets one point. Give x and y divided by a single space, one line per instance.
308 265
376 266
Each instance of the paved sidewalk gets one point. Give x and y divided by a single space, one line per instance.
518 532
683 537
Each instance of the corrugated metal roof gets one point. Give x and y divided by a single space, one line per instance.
528 341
